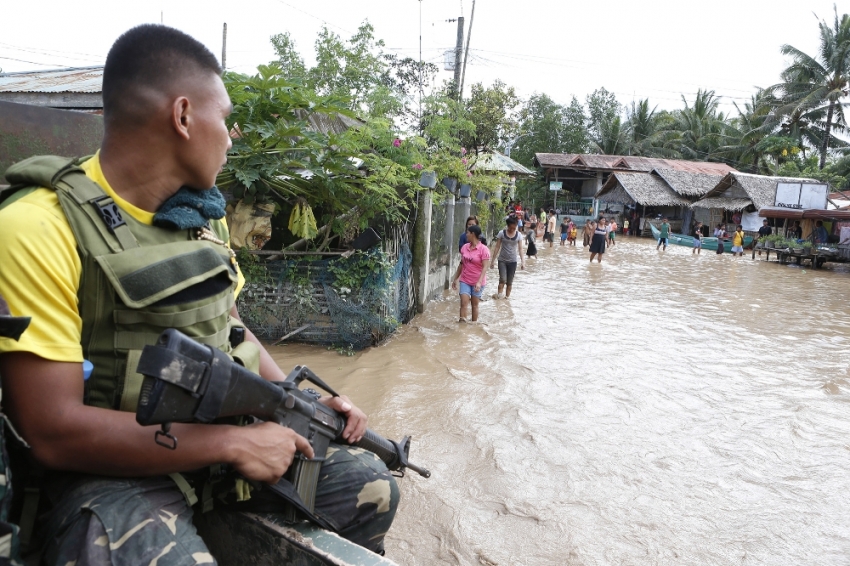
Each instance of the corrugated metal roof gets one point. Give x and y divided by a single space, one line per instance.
81 79
495 161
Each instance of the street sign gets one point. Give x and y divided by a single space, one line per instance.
555 185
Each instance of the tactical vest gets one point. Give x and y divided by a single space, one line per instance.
137 280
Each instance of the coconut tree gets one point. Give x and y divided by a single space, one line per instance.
742 142
696 131
819 84
645 132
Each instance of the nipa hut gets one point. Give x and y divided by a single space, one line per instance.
738 197
649 195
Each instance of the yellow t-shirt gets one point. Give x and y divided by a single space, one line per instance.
738 239
40 270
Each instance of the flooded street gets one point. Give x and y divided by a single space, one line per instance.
654 409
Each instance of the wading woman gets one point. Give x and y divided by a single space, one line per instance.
597 244
471 272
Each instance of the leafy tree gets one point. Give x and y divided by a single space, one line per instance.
820 83
290 61
492 110
548 127
279 155
602 108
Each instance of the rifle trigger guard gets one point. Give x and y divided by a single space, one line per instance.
166 432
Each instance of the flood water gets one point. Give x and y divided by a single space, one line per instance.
659 408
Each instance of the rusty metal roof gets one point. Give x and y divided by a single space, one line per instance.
80 79
627 163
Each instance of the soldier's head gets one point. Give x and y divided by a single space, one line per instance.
164 89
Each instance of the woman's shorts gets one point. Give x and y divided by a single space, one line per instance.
662 241
467 289
697 243
737 249
507 270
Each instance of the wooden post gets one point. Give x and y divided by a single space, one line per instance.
224 47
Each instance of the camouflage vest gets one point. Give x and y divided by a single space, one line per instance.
136 281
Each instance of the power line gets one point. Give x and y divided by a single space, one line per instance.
32 62
315 17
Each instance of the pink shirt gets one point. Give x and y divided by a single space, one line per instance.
473 262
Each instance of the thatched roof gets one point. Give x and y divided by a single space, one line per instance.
736 188
724 203
626 163
689 184
640 188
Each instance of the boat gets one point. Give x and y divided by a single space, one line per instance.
708 243
235 539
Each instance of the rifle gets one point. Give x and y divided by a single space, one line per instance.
186 381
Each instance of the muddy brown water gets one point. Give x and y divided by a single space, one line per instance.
660 408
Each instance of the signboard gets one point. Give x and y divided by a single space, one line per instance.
802 195
555 185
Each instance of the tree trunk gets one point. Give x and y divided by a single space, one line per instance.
826 136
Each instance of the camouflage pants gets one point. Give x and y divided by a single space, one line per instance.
103 520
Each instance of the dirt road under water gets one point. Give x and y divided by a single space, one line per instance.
659 408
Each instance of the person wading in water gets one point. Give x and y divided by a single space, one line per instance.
597 245
508 252
471 272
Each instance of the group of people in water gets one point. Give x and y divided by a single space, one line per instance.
512 245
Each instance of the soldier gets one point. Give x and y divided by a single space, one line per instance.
106 258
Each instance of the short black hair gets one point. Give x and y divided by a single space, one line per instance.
153 56
475 229
511 219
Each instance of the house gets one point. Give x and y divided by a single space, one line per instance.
662 186
648 195
739 197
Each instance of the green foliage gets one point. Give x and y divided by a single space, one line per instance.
252 268
280 154
491 110
813 87
371 268
548 127
602 109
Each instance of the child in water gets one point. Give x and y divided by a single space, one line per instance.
531 248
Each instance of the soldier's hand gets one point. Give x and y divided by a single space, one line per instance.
356 419
264 451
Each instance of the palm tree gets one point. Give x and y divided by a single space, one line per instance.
744 136
612 139
818 84
645 137
696 130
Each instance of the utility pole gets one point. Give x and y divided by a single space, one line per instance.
224 47
466 55
458 53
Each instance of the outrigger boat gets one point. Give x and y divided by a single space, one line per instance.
708 243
